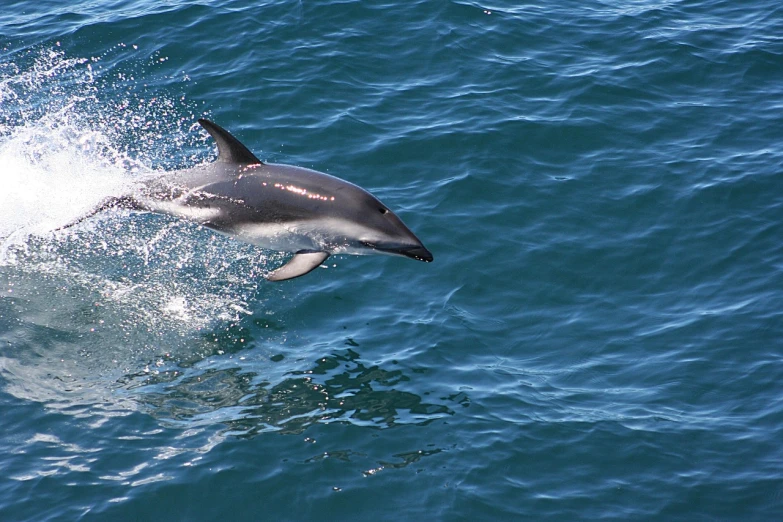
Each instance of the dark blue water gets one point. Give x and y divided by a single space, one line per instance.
600 335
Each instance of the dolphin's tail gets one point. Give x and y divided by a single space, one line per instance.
126 202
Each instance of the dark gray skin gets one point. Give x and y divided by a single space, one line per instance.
279 207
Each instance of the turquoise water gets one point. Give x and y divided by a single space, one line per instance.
600 335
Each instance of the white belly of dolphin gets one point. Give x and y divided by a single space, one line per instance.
198 215
304 235
275 236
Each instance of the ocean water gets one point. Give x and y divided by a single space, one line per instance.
600 335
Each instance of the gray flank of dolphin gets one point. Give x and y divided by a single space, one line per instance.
277 207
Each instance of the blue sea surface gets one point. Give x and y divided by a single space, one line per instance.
600 335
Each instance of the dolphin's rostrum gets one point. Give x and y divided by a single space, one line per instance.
278 207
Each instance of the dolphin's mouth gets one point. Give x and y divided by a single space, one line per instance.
420 253
417 252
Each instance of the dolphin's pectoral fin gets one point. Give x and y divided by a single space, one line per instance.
126 202
303 262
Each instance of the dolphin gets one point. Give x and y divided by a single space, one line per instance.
276 207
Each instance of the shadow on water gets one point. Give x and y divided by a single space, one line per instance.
140 320
337 388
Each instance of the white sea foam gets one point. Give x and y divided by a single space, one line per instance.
52 173
59 152
131 288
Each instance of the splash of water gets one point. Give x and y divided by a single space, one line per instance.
51 174
84 308
73 133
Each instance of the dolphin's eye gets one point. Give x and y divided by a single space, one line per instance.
383 210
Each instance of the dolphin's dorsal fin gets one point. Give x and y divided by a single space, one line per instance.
230 149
